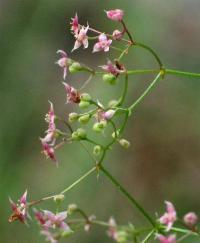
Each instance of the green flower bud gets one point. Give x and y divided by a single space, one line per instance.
67 233
81 133
85 97
71 208
97 150
75 67
84 104
113 103
75 136
84 119
109 78
124 143
122 236
115 134
59 198
99 126
73 117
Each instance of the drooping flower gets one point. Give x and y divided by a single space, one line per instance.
48 150
117 34
49 236
115 14
112 68
81 38
190 219
169 217
19 209
73 95
56 220
167 239
87 226
74 24
103 44
63 62
112 229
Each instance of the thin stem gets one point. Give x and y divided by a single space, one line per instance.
149 88
148 236
128 33
151 51
124 91
131 198
79 180
181 73
142 71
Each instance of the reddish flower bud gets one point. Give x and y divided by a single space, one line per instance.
190 219
115 14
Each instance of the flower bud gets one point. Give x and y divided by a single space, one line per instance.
117 35
75 67
109 78
85 97
124 143
75 136
115 134
72 208
109 114
59 198
97 150
190 219
84 119
84 104
81 133
122 236
99 126
73 117
66 233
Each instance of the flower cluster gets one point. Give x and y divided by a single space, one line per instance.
54 226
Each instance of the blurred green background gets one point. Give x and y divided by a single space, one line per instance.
163 162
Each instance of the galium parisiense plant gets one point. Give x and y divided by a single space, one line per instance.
55 226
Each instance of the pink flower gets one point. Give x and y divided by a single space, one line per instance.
75 24
112 230
103 44
117 34
48 150
19 209
107 115
167 239
113 69
73 95
190 219
115 14
169 217
81 38
55 220
49 236
63 62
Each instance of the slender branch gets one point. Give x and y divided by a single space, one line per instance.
148 236
131 198
79 180
124 91
149 88
151 51
181 73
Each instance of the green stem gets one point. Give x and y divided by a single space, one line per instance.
131 198
142 71
124 91
181 73
149 88
151 51
79 180
148 236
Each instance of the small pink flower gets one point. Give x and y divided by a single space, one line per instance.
81 38
63 62
115 14
103 44
73 95
112 68
112 230
117 34
19 209
48 150
190 219
167 239
107 115
169 217
74 24
55 220
49 236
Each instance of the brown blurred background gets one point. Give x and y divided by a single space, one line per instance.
164 160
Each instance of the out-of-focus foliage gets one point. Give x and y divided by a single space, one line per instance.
164 158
